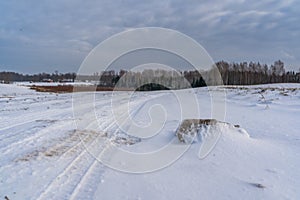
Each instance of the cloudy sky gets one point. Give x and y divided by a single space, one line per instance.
37 36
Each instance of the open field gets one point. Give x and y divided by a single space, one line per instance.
43 154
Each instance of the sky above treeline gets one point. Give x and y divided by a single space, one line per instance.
45 36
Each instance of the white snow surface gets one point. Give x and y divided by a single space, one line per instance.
42 156
53 83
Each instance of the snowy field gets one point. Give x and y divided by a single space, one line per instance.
42 155
53 83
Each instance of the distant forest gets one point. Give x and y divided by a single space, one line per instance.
8 77
255 73
231 73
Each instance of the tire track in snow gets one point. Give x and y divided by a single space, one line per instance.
86 187
25 137
37 115
66 177
8 153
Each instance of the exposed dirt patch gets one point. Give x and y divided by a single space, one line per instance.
8 97
125 140
70 88
258 185
46 120
62 145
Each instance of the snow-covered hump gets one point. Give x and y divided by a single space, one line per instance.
200 129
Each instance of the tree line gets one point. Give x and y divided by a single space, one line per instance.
254 73
8 77
155 79
221 73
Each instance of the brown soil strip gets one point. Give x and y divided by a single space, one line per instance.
70 88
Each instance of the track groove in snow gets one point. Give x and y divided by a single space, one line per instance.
75 177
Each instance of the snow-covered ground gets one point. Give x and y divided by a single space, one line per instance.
53 83
43 154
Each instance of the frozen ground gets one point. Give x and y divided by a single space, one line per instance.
42 156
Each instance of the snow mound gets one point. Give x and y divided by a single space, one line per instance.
199 130
206 132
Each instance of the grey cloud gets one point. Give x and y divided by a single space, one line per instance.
58 33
